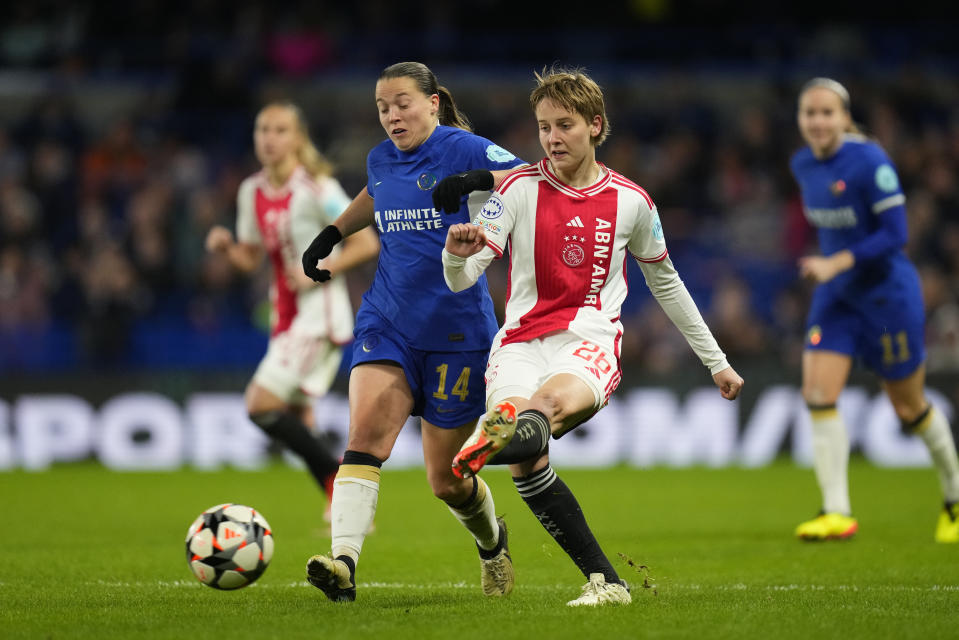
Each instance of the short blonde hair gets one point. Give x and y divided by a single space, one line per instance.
575 91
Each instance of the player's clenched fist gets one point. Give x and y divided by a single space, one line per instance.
729 383
218 239
465 239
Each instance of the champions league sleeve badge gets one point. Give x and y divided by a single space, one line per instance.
492 209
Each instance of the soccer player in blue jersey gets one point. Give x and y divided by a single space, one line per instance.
867 304
420 349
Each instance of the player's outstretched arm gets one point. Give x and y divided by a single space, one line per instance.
448 193
245 257
500 174
359 248
822 269
668 289
729 382
357 215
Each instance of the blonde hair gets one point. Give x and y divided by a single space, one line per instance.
309 156
576 92
836 87
426 82
828 83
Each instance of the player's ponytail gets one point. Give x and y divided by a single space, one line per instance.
426 82
310 157
449 114
312 160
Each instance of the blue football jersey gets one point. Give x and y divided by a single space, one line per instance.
873 311
408 288
855 201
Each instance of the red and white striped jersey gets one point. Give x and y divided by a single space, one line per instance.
284 221
568 249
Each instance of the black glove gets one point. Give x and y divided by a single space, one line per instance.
319 249
448 194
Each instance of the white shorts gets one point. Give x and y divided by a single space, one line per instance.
519 369
297 366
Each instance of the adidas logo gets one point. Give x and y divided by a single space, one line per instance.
575 222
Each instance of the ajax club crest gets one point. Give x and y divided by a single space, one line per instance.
572 252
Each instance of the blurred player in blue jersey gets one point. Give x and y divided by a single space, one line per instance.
867 304
420 349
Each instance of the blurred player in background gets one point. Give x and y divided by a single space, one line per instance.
279 210
568 222
420 350
867 304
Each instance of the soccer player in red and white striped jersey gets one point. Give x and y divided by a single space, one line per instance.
279 211
569 224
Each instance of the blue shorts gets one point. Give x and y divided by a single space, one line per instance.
448 387
884 328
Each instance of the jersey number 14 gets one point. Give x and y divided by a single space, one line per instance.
461 388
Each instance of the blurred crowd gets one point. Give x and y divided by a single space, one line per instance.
120 149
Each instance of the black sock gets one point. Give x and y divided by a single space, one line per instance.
556 508
909 428
358 457
529 441
299 439
489 554
348 561
460 506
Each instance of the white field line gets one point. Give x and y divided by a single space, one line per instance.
176 584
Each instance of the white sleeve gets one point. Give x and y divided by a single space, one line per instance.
462 273
306 219
647 243
334 199
247 231
668 289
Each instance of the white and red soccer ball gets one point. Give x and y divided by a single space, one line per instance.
229 546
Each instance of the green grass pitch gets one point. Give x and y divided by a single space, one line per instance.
88 553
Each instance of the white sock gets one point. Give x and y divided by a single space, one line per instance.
355 491
478 515
935 432
831 459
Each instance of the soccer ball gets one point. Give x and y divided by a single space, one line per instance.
229 546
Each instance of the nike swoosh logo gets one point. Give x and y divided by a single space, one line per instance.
366 348
376 184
